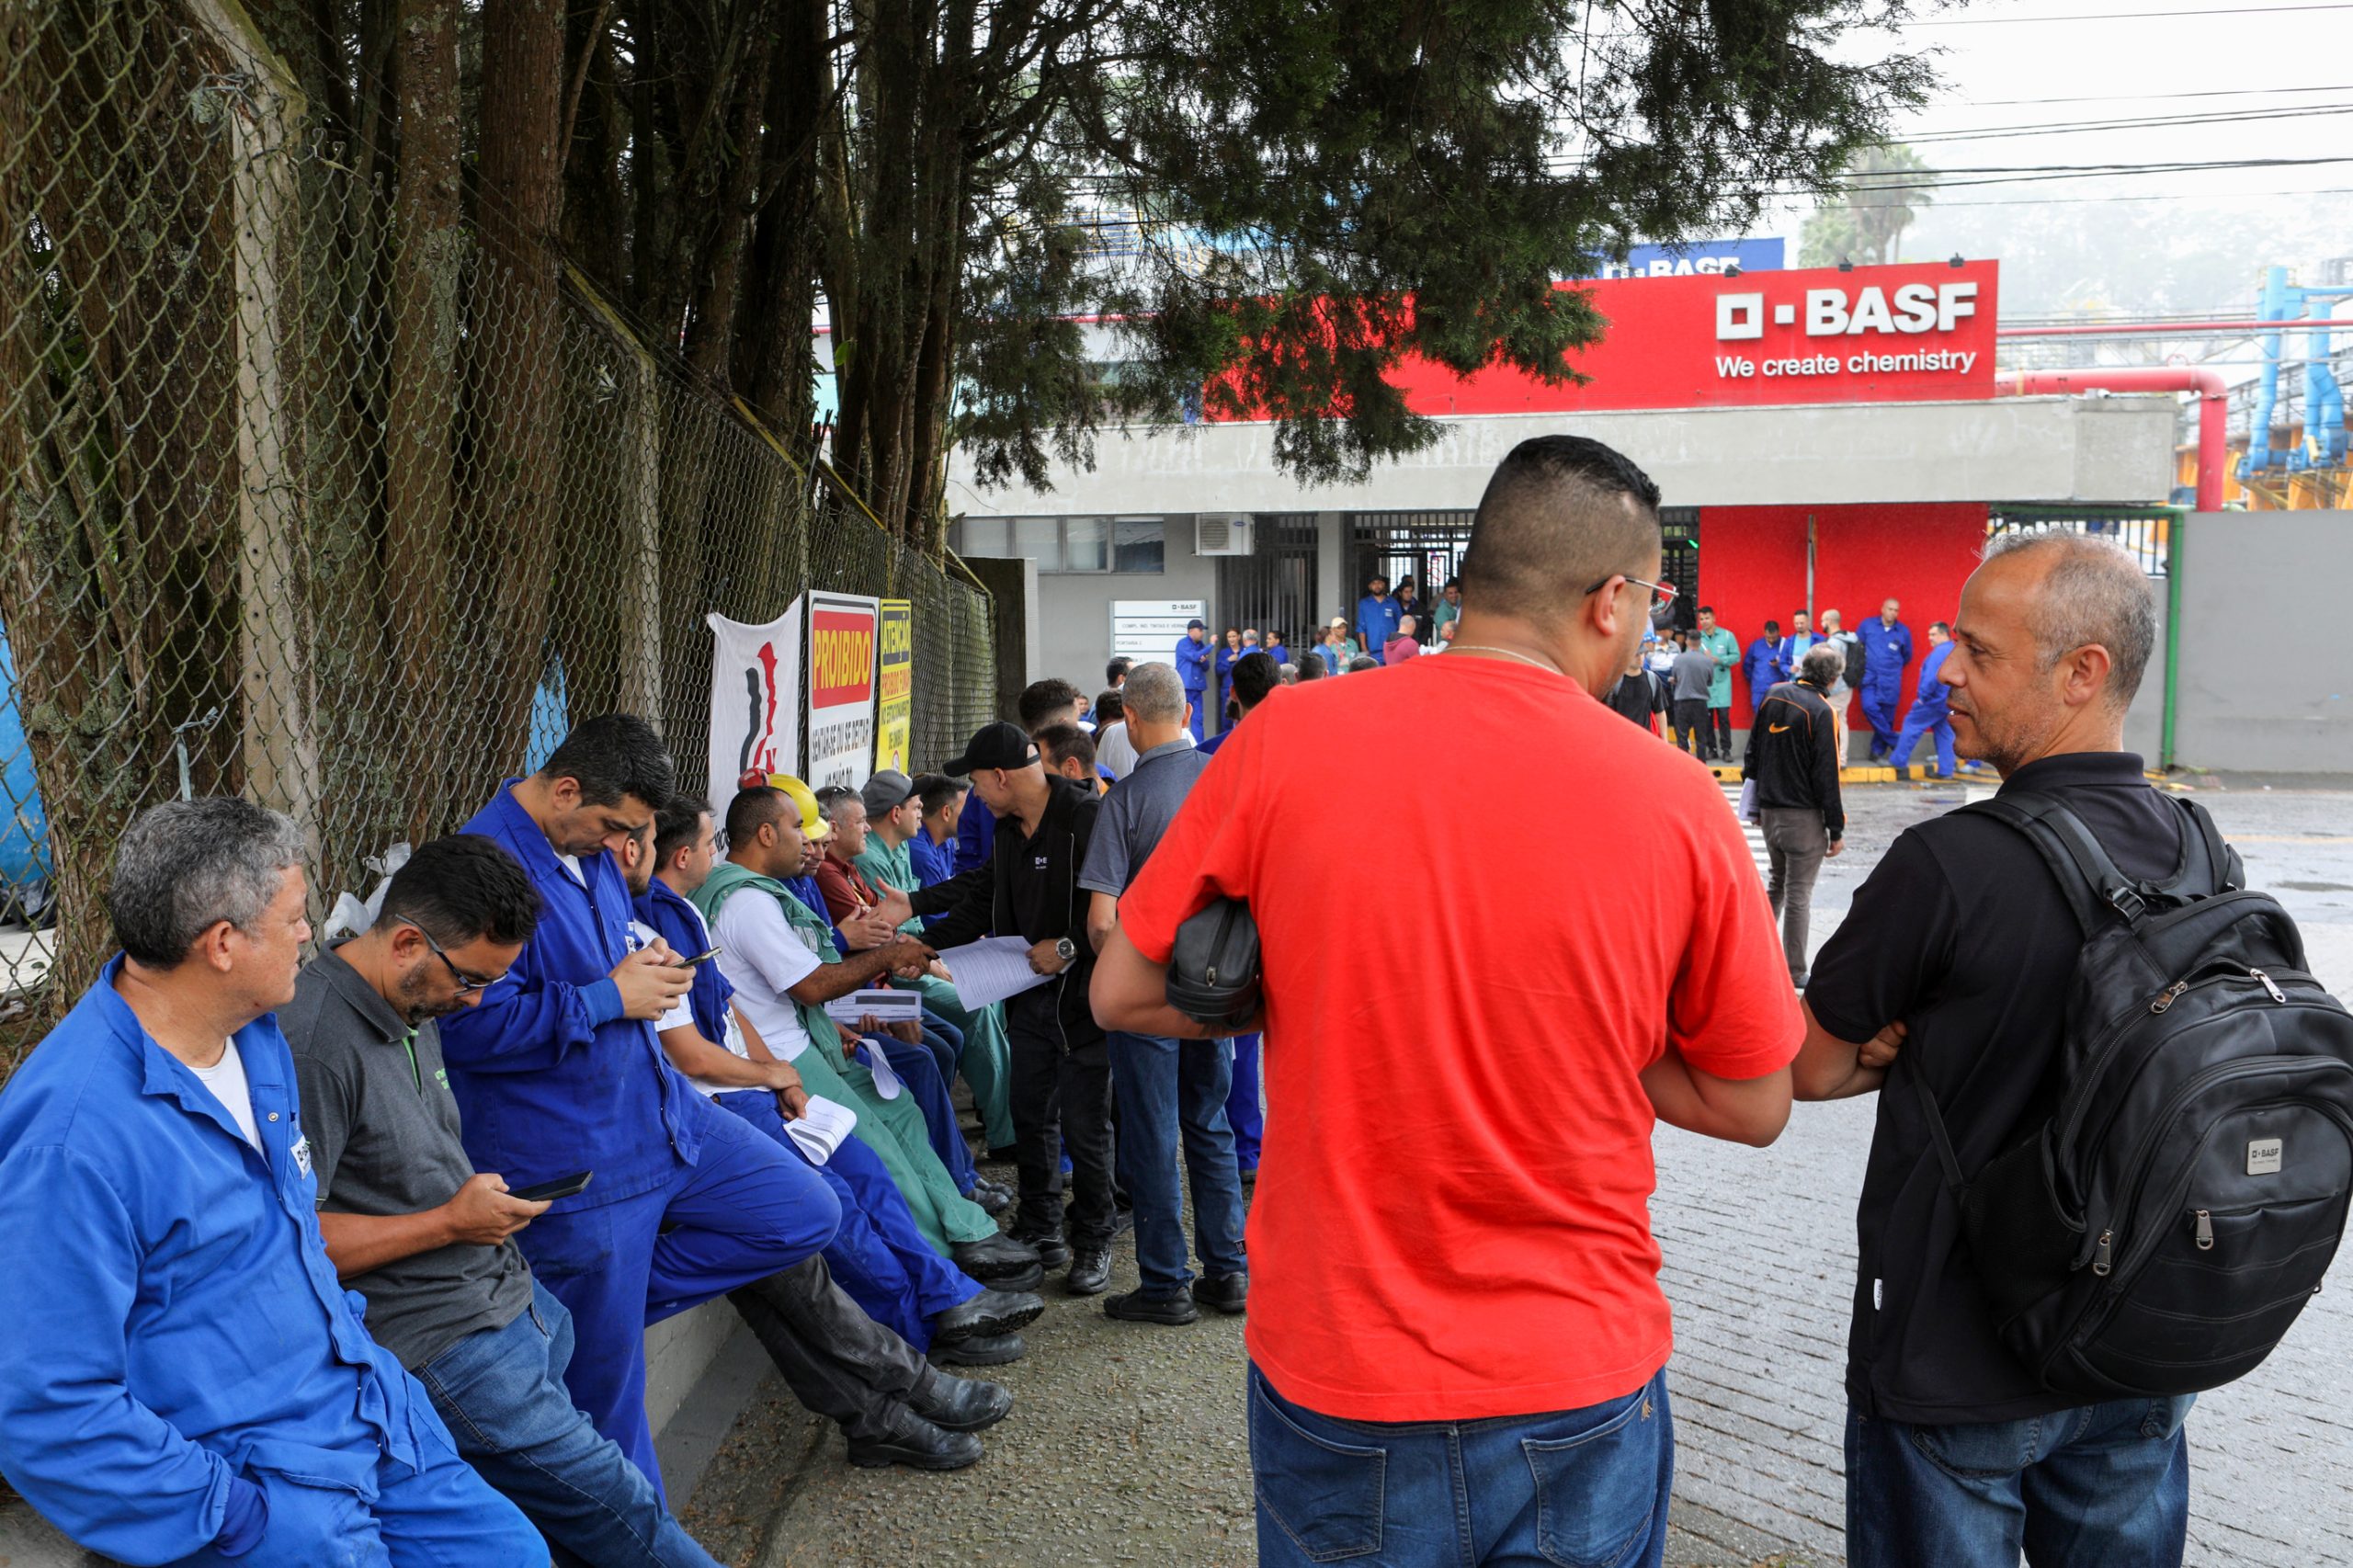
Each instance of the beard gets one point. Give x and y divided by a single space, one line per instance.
415 1008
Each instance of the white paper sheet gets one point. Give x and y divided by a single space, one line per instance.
991 970
886 1082
821 1127
884 1006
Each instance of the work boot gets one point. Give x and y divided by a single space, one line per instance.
1226 1292
959 1404
1049 1249
1090 1271
980 1350
917 1443
990 1312
1173 1308
995 1258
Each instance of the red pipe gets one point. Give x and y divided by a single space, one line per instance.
2213 405
2176 328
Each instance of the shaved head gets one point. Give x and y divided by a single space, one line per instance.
1561 514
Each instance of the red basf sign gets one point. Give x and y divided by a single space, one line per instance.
1874 335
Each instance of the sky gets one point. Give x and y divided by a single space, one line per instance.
2135 59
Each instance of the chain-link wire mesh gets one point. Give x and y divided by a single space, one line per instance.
301 500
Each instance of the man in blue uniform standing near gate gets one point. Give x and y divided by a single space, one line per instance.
558 1070
1887 648
1193 669
1929 715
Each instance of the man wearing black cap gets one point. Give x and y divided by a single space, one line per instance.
1193 669
1062 1072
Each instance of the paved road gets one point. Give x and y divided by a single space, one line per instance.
1128 1448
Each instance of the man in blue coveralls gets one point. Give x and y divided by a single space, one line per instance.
1763 664
557 1071
1887 648
1930 714
182 1379
1192 668
1377 615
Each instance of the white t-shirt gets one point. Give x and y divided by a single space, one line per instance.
765 958
1116 754
682 1017
226 1079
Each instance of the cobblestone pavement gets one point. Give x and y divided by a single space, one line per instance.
1127 1444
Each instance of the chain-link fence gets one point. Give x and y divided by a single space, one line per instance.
304 496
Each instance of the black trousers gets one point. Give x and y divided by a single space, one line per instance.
1690 718
1060 1097
837 1361
1720 732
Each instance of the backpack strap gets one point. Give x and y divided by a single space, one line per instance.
2084 873
2209 866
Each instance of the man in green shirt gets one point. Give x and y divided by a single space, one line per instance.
894 816
1724 648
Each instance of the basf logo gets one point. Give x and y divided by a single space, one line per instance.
1874 335
1710 258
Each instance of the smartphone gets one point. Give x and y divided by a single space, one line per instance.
701 958
562 1187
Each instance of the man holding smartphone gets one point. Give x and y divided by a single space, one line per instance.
410 1224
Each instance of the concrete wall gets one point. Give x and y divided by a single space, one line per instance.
1070 622
2034 449
2266 671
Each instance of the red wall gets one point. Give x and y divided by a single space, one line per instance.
1752 565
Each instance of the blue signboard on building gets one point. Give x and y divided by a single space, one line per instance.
1697 256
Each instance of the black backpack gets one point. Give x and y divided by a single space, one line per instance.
1858 659
2161 1231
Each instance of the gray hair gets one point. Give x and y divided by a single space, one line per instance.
1823 665
2093 593
1154 693
186 866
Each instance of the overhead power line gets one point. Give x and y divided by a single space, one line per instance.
2122 15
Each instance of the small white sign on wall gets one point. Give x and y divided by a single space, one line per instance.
1151 628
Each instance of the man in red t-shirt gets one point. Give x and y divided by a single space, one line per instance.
1452 1219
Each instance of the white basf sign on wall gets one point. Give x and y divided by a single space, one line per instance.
754 699
1151 628
841 688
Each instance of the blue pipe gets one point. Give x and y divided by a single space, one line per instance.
2258 432
2324 399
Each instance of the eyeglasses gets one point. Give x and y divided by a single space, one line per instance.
467 984
1662 593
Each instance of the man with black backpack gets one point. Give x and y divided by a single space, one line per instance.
2077 1212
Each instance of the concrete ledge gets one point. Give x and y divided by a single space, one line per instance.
701 1368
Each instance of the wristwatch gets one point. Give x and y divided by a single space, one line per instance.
1066 950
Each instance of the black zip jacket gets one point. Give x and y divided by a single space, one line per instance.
981 901
1792 755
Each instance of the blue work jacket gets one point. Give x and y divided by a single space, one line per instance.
678 922
1376 623
1765 668
549 1078
1886 649
975 836
1794 648
168 1317
933 862
1934 696
1192 663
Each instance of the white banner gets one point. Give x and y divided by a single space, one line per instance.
842 636
754 700
1151 628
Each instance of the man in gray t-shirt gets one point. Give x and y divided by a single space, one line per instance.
1171 1092
1694 673
411 1226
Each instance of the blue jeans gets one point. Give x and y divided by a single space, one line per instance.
2099 1486
1586 1488
501 1390
1171 1092
1242 1111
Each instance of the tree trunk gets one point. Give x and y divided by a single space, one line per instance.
515 339
419 476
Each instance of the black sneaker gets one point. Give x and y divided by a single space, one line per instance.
1051 1250
1227 1292
1144 1306
1090 1271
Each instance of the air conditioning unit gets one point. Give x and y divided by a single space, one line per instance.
1221 533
